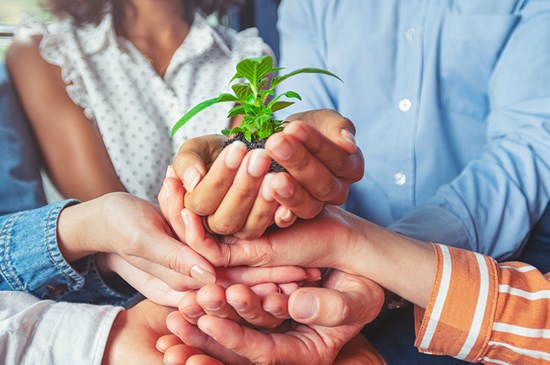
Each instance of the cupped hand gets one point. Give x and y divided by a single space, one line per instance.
232 189
323 321
318 151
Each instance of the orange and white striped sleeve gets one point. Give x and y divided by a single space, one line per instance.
482 311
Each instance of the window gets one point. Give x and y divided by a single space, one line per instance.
11 12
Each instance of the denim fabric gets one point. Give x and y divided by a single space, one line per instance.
31 261
20 182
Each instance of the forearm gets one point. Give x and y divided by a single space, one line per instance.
398 263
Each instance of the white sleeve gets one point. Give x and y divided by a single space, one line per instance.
34 331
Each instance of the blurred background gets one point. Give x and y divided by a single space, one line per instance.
252 13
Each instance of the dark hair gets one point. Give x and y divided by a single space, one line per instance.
93 11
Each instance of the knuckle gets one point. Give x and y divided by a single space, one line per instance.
224 226
328 190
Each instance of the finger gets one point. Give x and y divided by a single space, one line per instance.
257 275
331 124
288 288
294 197
195 156
233 210
359 301
261 216
193 336
202 359
171 198
150 286
212 299
277 305
208 195
169 259
207 246
284 217
241 340
167 341
179 354
248 306
189 308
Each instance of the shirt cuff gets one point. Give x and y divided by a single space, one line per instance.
97 290
85 327
32 261
461 308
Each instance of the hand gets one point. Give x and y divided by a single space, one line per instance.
134 334
319 153
325 319
160 293
135 230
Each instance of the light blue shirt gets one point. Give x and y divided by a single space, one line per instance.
451 100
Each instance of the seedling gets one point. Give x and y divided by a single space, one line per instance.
254 99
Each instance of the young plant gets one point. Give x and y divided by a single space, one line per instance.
254 99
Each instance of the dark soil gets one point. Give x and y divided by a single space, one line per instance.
274 167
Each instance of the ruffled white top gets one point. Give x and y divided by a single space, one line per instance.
132 106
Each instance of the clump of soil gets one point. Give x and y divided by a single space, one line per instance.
274 167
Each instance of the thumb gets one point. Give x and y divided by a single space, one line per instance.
361 303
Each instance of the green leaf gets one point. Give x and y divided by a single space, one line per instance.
253 69
242 90
281 105
289 94
222 98
239 109
308 70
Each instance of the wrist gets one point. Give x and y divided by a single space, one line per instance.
111 352
71 225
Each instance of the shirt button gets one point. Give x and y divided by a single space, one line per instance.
405 105
400 178
409 34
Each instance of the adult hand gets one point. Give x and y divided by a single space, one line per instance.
135 230
159 292
323 321
317 149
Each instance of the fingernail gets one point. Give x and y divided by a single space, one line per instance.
287 216
192 311
201 274
191 178
170 172
305 306
213 306
281 149
259 163
348 136
280 185
238 306
185 217
266 188
296 131
235 155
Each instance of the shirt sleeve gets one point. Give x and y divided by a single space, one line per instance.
32 262
29 325
493 204
481 311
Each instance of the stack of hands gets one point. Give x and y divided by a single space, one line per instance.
239 250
